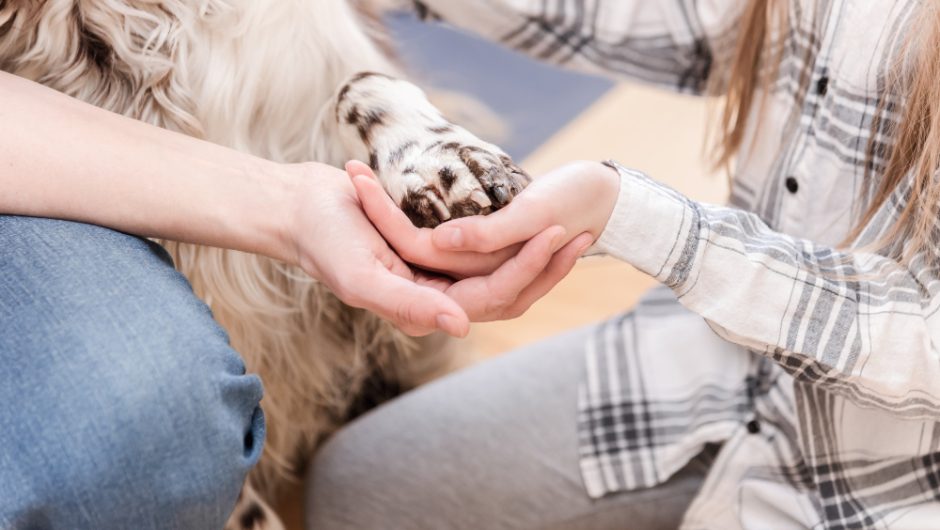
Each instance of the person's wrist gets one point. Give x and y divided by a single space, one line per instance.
279 215
606 188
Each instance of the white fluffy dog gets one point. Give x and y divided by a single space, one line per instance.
281 79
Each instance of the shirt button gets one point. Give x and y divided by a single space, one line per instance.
822 85
792 185
753 427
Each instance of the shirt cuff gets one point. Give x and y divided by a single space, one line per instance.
653 227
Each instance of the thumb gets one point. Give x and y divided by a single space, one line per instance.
394 226
355 168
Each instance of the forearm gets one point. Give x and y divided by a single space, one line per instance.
852 321
62 158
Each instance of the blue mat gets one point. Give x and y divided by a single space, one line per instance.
534 99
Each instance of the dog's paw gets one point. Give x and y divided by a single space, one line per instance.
434 170
435 179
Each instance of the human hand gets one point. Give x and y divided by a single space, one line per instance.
334 242
523 279
579 197
330 238
497 286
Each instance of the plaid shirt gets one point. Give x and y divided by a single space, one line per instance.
814 368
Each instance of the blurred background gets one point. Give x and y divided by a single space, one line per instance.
551 117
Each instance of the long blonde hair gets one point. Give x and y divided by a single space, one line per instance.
913 137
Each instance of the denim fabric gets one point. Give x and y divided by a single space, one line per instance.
121 403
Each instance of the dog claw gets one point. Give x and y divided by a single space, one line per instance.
443 212
501 194
480 199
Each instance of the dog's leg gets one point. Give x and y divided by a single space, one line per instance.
433 169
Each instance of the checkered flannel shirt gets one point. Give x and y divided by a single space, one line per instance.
813 367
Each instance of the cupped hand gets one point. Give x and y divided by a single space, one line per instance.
521 280
335 243
579 197
495 285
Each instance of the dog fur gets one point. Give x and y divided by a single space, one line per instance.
281 79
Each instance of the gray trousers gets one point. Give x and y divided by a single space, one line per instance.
492 447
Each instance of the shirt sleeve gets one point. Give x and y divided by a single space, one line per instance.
667 43
858 324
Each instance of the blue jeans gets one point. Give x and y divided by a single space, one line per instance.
122 404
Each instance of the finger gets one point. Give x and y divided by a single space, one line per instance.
415 331
388 218
558 268
414 244
520 221
407 304
356 167
435 282
486 298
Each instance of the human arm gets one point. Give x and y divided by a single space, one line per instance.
65 159
668 43
857 323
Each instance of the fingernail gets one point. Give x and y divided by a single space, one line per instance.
450 324
452 237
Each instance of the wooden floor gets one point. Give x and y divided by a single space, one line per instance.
659 133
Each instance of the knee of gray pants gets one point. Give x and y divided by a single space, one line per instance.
128 407
494 446
487 447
